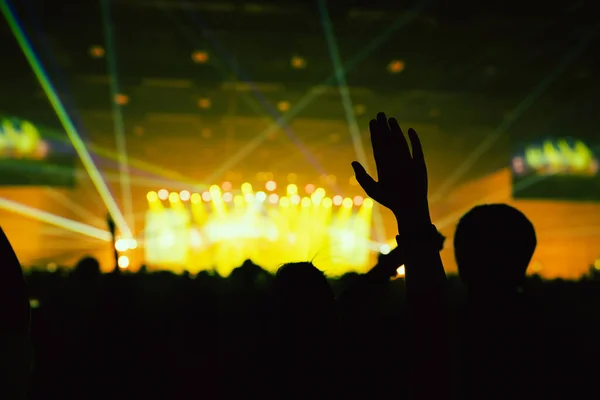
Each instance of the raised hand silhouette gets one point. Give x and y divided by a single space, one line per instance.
402 184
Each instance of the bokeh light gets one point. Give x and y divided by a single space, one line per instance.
184 195
123 262
271 185
163 194
337 200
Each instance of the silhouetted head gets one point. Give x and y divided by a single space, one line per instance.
87 269
304 295
493 246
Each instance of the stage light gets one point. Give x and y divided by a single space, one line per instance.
121 245
337 200
204 103
283 106
196 198
327 202
295 199
284 202
200 57
163 194
310 188
184 195
246 187
347 203
173 197
261 196
401 271
249 197
226 186
152 196
121 99
271 185
368 203
597 264
298 62
206 196
273 198
238 200
358 200
123 262
292 189
396 66
213 189
385 249
306 202
292 177
320 192
227 197
97 51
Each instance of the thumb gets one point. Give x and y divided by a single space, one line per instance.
364 179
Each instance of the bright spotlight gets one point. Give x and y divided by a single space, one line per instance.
152 196
184 195
306 202
206 196
385 249
368 203
327 202
273 198
173 197
347 203
284 202
337 200
226 186
246 187
271 185
121 245
163 194
310 188
123 262
227 197
401 271
295 199
358 200
261 196
292 189
196 198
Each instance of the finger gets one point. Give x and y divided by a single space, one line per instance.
401 149
382 121
365 180
378 145
417 149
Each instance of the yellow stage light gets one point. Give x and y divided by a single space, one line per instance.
152 196
284 202
163 194
347 203
227 197
196 198
173 197
206 196
385 249
273 198
295 199
249 197
123 262
327 202
261 196
368 203
337 200
246 188
358 200
292 189
271 185
306 202
184 195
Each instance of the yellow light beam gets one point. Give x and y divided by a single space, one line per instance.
61 222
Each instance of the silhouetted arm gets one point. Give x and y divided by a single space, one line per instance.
402 187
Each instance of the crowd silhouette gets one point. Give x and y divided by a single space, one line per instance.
491 333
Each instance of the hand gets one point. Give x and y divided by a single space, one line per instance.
402 185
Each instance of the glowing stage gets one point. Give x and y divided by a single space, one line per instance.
222 227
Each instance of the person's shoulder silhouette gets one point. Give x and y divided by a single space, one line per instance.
493 246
